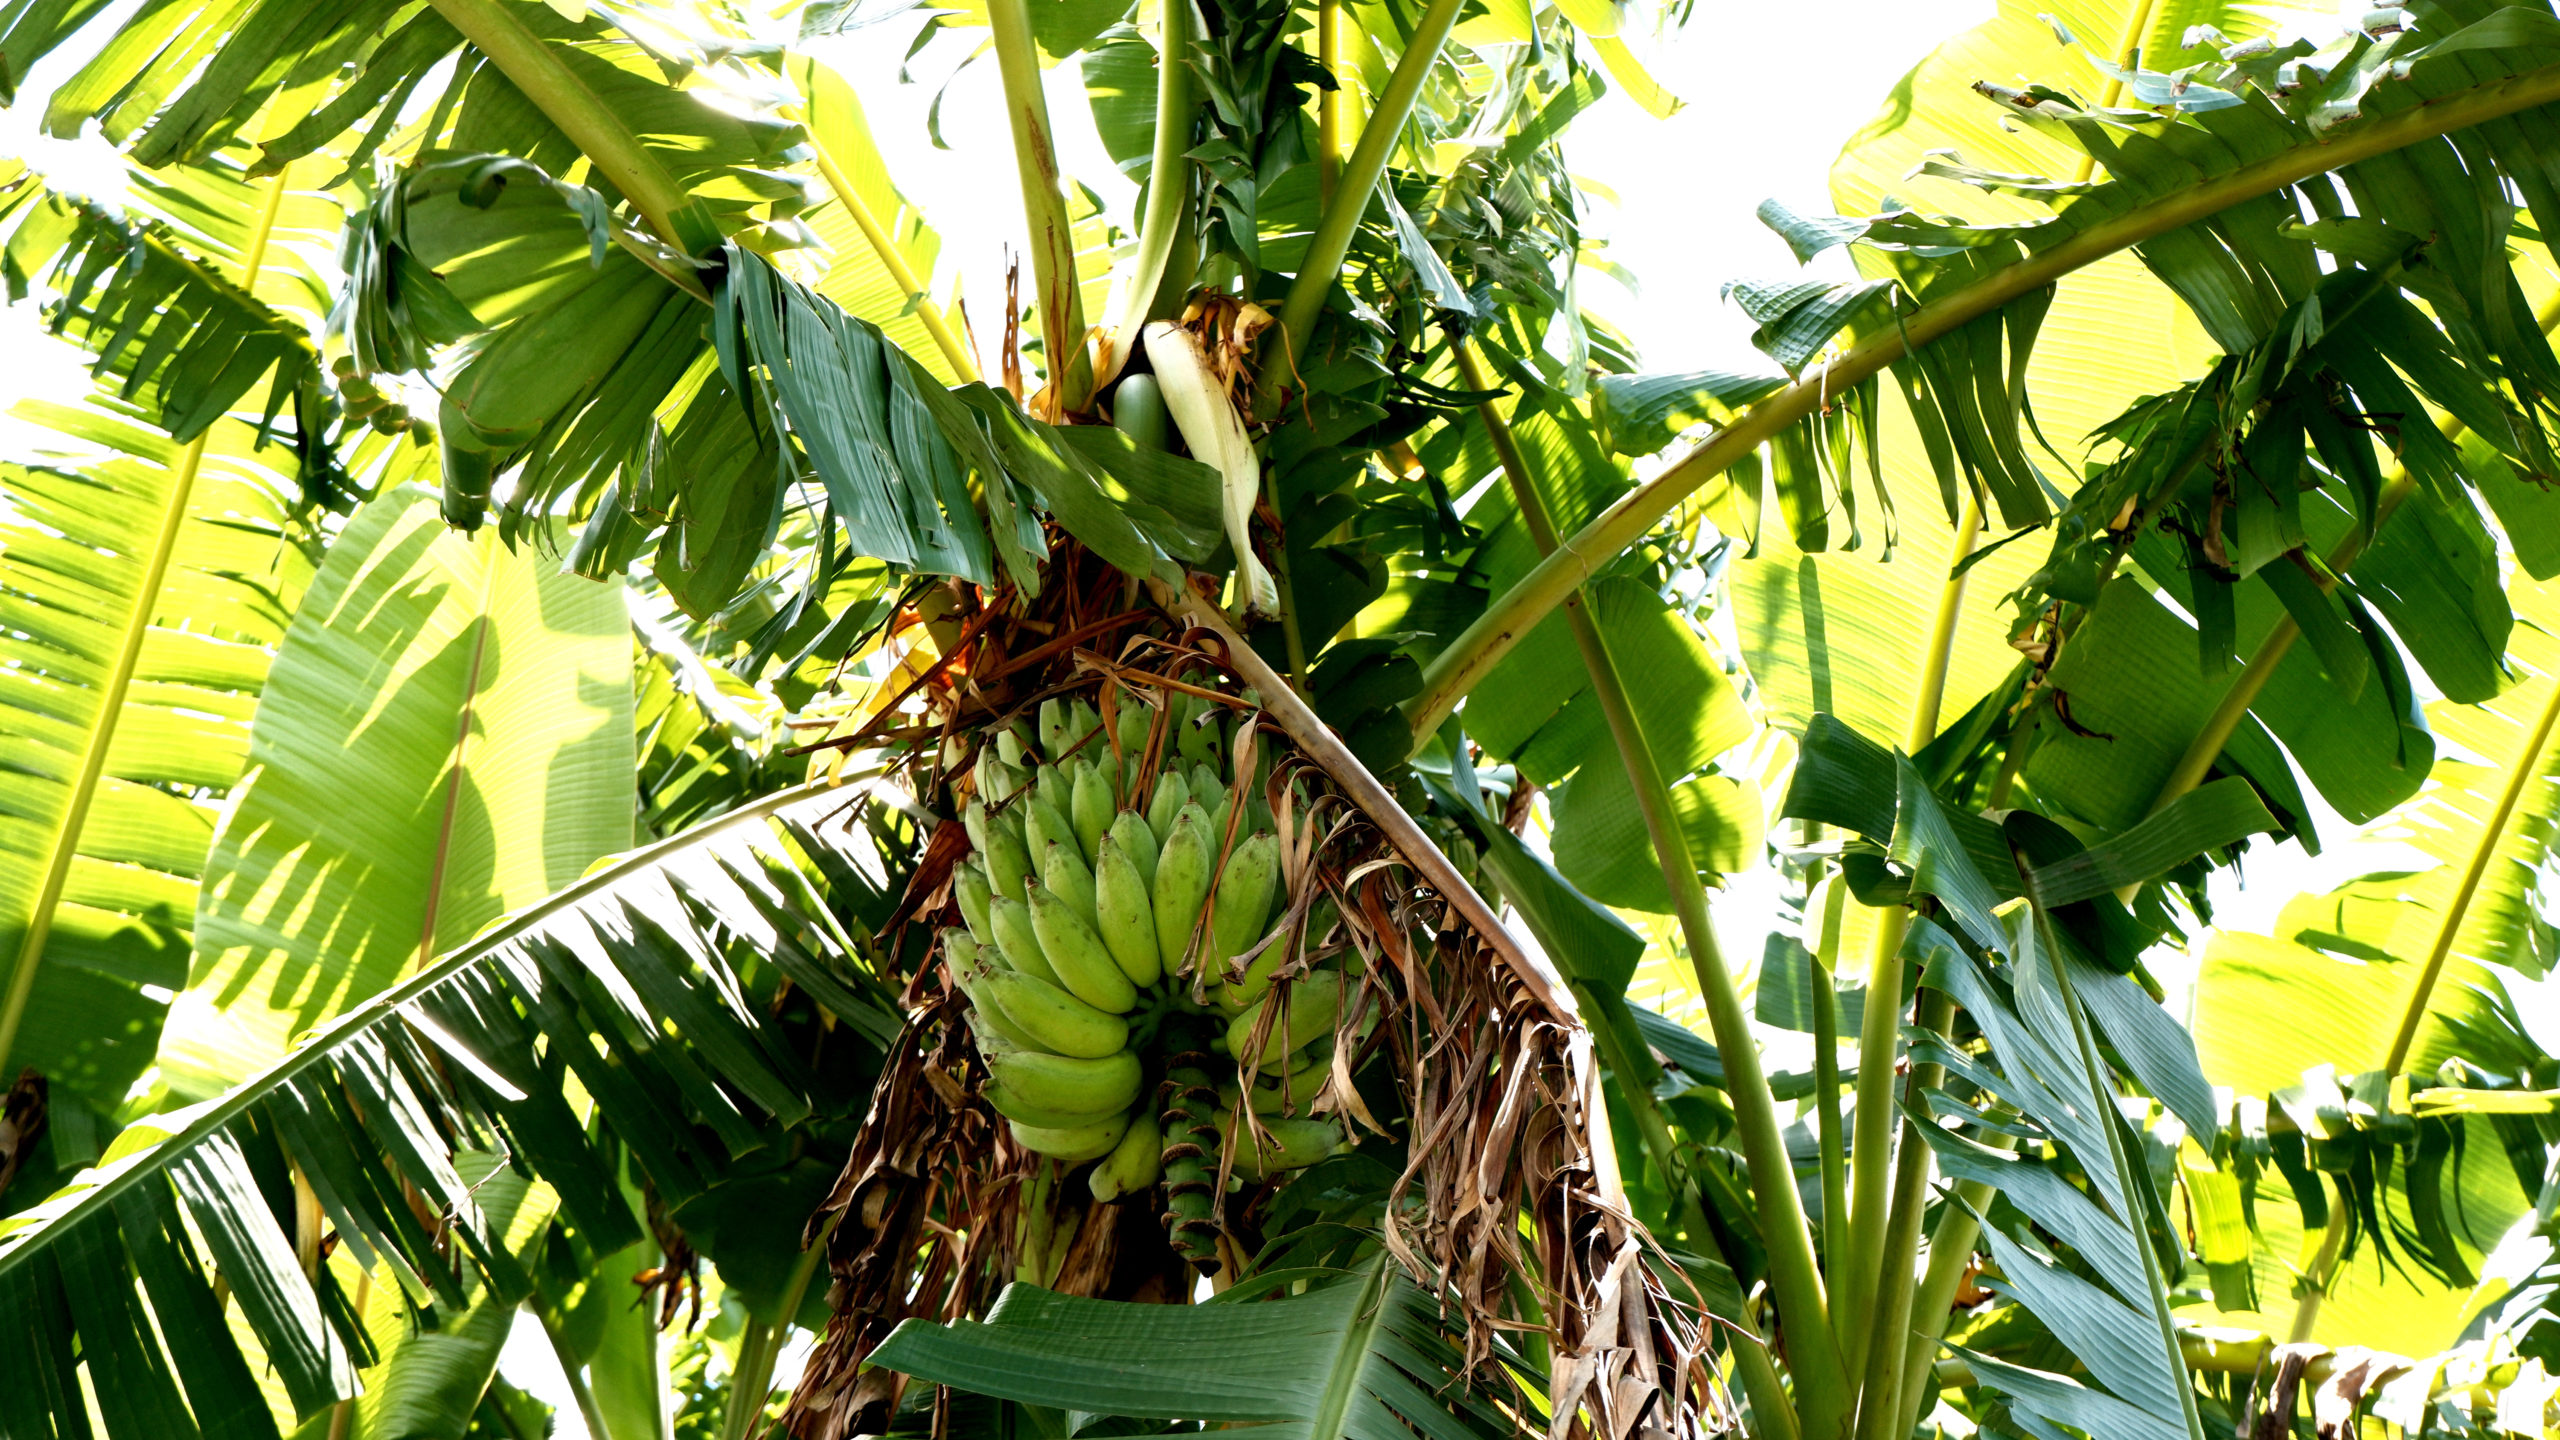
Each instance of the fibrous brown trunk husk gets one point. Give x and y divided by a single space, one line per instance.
1501 1116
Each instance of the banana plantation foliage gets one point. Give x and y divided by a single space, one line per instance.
594 771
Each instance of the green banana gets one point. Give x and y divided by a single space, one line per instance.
1066 1084
1045 823
973 818
1055 1020
1202 736
997 781
1063 874
1135 722
1072 1144
1008 863
1083 966
1009 1102
1016 941
1208 788
969 887
1172 793
1090 807
1053 728
1009 748
1137 409
1138 843
971 969
1182 882
1127 916
1314 1002
1285 1144
1133 1164
1106 765
1245 889
1293 1094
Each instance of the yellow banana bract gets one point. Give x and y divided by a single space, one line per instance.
1206 415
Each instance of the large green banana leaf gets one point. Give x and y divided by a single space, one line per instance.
446 736
2343 968
1358 1355
651 980
142 602
1844 633
428 1382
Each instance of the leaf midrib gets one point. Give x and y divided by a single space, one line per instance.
1342 1380
111 699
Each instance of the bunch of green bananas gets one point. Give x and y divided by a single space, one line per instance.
1096 958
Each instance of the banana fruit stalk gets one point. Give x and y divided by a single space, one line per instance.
1206 415
1102 907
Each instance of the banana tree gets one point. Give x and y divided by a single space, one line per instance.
1349 303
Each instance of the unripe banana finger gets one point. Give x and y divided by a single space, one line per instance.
1016 940
1083 966
1063 874
1127 915
1137 843
1072 1145
1133 1164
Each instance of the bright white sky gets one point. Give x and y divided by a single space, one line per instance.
1686 186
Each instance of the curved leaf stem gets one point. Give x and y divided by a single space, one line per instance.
1950 1256
1044 208
1829 1142
2218 728
1794 1278
1167 221
754 1377
901 274
1328 102
119 682
2522 771
1880 1388
606 139
2323 1266
1331 242
1870 1256
1511 615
